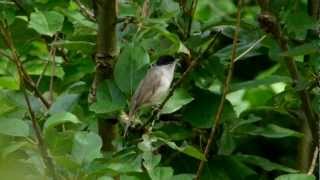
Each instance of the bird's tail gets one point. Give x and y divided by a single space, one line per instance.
131 117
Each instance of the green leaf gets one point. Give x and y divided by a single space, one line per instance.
46 23
205 11
227 168
179 98
296 177
9 82
83 46
273 131
14 127
295 26
125 177
186 149
175 132
64 103
201 111
263 163
109 98
227 143
259 82
36 67
170 8
59 118
86 147
12 147
78 19
129 8
150 161
183 177
161 173
159 38
129 68
304 49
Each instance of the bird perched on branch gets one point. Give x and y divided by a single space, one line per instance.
153 87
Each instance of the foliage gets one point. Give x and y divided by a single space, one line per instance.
260 130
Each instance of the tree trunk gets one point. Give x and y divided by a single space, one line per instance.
106 51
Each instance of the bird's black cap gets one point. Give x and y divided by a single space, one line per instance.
164 60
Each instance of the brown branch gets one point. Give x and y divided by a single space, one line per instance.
85 11
42 73
53 68
41 144
314 161
106 51
15 59
270 24
191 66
226 86
192 10
20 6
314 8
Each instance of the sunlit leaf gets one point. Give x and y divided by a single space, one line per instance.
129 68
86 147
14 127
60 118
179 98
296 177
264 163
46 23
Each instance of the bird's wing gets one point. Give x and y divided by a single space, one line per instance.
146 89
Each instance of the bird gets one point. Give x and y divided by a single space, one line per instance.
153 87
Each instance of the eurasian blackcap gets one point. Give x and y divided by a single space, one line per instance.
153 87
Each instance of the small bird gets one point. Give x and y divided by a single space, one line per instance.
154 87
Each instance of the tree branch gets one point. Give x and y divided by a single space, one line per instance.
85 11
106 51
22 76
192 10
226 86
270 24
15 59
314 161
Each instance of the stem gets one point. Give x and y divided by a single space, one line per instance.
106 50
53 68
314 8
270 24
314 160
226 86
15 59
41 144
22 75
85 11
193 8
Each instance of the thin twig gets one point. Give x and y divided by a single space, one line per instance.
270 24
226 86
20 6
51 53
314 160
192 10
15 59
250 48
3 53
53 68
42 146
42 73
85 11
192 65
